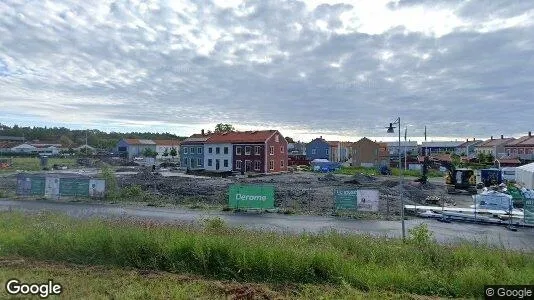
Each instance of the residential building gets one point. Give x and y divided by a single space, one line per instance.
297 148
318 149
192 151
134 147
262 151
218 154
467 148
493 146
163 146
406 146
522 147
431 148
339 151
366 153
23 148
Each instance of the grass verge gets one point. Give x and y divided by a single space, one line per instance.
361 262
394 171
33 163
101 282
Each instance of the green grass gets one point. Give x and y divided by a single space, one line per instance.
360 262
394 171
99 282
33 163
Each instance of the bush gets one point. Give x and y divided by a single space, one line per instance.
420 235
112 188
133 191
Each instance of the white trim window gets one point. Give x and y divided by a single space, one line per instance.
281 149
257 165
199 162
271 150
271 165
210 150
248 150
192 150
327 151
225 150
314 151
238 150
199 150
185 150
226 163
282 163
210 162
238 164
257 150
277 138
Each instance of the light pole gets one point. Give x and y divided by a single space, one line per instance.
392 130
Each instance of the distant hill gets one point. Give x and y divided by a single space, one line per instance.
74 138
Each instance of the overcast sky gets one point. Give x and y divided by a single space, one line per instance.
340 69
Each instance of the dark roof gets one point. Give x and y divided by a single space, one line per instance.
495 142
522 142
238 137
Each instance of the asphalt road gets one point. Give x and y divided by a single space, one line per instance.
499 236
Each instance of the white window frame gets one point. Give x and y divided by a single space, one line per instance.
225 150
185 150
281 149
225 163
210 150
271 150
257 150
210 162
199 162
238 164
257 165
314 151
238 150
277 138
271 165
199 150
249 150
192 150
327 151
282 163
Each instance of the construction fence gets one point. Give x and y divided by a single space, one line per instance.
58 186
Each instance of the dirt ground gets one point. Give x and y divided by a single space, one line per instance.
299 192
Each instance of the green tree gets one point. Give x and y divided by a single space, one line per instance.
481 157
490 159
220 128
174 153
289 140
166 152
148 152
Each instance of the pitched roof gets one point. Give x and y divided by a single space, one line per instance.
167 142
139 142
469 143
333 143
522 142
237 137
495 142
364 139
441 144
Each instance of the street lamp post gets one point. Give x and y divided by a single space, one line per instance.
392 130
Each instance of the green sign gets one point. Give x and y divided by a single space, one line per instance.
251 196
74 187
38 186
345 199
529 211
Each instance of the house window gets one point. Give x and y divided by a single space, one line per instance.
271 150
314 151
271 165
257 150
282 163
199 162
210 162
238 164
277 139
199 150
192 150
210 150
185 150
225 150
226 162
238 151
247 150
257 165
327 151
218 150
281 149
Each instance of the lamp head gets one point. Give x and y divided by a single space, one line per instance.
390 128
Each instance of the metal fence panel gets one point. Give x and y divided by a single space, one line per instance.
74 187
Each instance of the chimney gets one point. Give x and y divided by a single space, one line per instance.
467 140
491 138
502 136
473 139
530 133
202 131
321 137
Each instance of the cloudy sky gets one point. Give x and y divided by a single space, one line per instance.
340 69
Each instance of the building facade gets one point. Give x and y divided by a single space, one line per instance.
495 147
135 147
468 147
218 157
318 149
366 153
192 152
166 146
433 148
522 147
